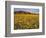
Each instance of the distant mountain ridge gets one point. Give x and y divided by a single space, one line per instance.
33 10
23 12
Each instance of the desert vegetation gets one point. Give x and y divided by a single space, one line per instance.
26 20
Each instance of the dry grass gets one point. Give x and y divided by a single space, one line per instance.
26 21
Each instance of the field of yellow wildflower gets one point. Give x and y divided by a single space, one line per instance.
26 21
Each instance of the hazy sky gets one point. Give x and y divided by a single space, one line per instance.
27 10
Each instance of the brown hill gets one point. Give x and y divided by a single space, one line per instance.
23 12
